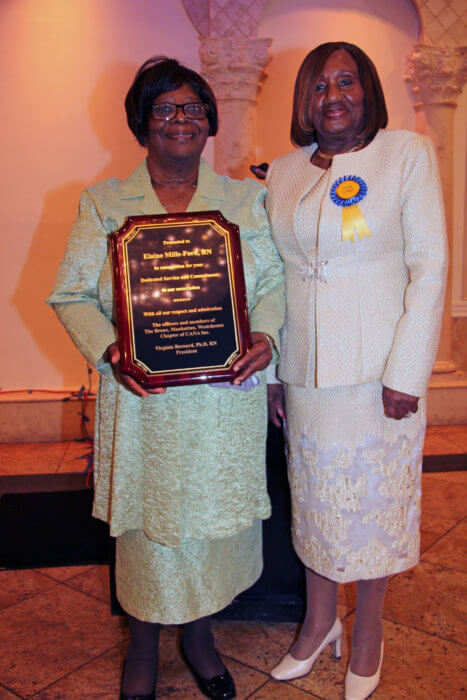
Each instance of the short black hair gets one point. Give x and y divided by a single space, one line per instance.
156 76
302 131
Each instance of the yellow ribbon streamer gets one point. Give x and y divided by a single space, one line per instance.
352 218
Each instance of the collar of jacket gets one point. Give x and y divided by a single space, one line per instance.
301 179
138 186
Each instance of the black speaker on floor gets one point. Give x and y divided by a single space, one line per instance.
51 529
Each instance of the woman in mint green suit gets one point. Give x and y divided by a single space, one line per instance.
179 474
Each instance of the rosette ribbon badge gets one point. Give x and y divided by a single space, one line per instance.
347 192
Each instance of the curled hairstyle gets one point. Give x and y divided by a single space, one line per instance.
156 76
302 131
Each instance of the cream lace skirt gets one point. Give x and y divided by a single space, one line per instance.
355 479
173 585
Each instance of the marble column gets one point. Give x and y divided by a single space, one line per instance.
234 68
436 76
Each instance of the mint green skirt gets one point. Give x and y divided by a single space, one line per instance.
174 585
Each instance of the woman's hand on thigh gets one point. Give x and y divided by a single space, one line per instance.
276 404
398 405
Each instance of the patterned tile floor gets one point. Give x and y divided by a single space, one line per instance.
59 640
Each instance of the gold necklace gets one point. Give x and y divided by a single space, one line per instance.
328 156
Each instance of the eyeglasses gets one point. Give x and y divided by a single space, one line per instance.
169 110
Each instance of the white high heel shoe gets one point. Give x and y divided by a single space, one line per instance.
361 687
290 667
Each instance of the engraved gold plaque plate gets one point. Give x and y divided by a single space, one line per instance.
182 311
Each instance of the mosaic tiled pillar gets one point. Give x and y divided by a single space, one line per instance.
233 68
233 60
443 22
436 76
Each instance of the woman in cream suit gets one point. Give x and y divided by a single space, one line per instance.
357 216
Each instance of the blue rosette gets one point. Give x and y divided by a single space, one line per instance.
347 192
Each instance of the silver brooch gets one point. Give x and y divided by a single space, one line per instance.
319 271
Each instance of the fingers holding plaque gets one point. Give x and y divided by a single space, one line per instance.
180 293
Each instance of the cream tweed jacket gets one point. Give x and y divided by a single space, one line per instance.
378 313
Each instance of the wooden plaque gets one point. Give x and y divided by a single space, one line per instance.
181 302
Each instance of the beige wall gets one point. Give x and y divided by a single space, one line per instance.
459 342
459 281
385 29
65 68
459 272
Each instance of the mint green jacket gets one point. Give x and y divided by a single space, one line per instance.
189 464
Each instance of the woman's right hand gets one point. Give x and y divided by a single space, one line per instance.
276 404
112 355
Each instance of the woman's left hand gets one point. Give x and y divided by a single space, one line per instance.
257 358
398 405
